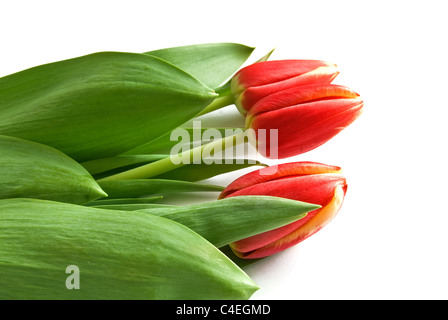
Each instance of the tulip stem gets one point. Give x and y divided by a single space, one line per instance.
178 160
218 103
225 89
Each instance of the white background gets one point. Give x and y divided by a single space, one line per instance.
389 241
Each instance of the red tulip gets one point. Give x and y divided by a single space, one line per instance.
303 181
261 79
305 117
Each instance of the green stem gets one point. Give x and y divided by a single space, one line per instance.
225 98
225 89
218 103
170 163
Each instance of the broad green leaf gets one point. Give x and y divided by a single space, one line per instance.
224 221
150 187
32 170
46 247
212 63
99 105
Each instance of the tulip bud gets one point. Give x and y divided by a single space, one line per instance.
305 117
303 181
261 79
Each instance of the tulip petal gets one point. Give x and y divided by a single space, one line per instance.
276 172
325 215
314 188
300 95
323 75
260 79
304 127
261 73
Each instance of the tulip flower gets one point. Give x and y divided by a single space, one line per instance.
303 181
305 117
261 79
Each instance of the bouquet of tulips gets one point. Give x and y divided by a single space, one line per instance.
89 149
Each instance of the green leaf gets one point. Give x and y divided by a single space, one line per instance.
32 170
212 63
163 144
150 187
225 92
202 171
131 206
107 164
124 201
99 105
127 204
118 255
181 158
242 263
266 56
224 221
